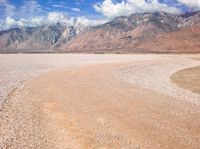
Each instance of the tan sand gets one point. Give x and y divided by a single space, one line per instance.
188 78
196 58
89 107
16 68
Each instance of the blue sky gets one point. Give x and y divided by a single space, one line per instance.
72 7
87 12
68 6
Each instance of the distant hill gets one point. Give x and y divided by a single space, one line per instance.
142 32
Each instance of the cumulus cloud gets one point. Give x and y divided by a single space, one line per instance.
54 17
31 13
112 9
37 21
50 18
10 21
191 3
22 22
89 22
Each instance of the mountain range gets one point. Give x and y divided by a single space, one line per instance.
138 33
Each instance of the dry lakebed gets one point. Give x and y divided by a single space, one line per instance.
105 101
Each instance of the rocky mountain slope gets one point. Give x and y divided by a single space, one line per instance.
37 39
186 40
142 32
145 32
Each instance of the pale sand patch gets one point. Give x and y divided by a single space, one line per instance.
188 78
89 107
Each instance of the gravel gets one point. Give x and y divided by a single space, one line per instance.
16 68
36 116
156 77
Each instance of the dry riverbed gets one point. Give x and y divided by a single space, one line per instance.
97 101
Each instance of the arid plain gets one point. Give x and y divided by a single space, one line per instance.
130 101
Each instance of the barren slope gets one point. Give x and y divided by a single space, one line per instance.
185 40
143 33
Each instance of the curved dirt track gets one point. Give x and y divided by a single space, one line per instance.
91 107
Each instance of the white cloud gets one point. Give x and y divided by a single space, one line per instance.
37 21
54 17
31 13
76 9
22 22
89 22
51 18
112 9
10 21
191 3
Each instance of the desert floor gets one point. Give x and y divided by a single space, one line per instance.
99 101
188 78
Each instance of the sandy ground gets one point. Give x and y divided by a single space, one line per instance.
100 105
16 68
188 78
155 76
